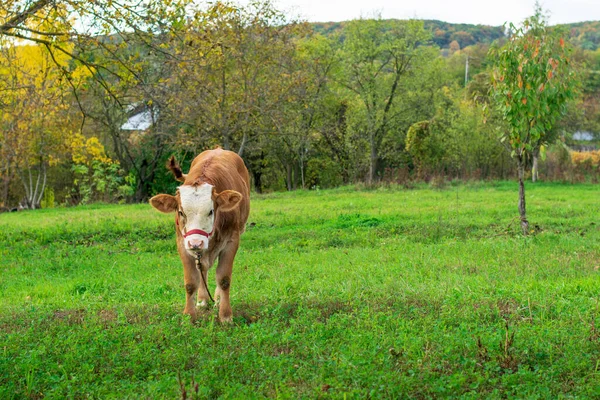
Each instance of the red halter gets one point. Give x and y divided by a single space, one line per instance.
195 231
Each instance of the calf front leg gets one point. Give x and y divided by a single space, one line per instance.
191 277
223 275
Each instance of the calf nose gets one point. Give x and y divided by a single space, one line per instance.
196 244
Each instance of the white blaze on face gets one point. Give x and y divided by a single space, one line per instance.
198 210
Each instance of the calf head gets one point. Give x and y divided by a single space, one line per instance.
196 207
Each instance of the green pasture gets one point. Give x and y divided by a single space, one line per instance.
346 293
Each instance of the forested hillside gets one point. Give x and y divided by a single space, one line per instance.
582 34
443 33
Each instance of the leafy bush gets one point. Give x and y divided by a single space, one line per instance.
48 199
96 176
323 173
586 163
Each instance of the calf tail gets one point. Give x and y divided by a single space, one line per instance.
174 167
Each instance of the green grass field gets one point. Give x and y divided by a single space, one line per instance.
387 293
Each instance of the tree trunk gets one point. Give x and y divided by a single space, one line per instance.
141 190
6 185
34 194
243 144
38 200
534 168
302 171
288 168
372 161
296 171
522 210
257 181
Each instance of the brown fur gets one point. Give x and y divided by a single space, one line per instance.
226 171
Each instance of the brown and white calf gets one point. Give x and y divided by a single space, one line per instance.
211 209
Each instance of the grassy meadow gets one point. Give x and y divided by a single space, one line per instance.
387 293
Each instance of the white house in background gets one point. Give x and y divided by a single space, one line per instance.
141 118
581 135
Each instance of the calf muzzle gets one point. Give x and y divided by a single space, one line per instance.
195 244
196 240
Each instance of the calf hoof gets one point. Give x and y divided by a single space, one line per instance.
226 316
193 315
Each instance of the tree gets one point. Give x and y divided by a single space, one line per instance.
422 95
454 46
81 29
377 56
335 141
120 45
301 105
36 119
108 104
532 81
221 97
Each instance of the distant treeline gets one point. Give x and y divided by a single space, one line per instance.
582 34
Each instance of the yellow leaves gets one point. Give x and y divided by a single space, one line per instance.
36 109
96 150
85 151
77 145
81 73
586 157
52 160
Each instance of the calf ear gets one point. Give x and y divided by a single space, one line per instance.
164 203
228 200
174 167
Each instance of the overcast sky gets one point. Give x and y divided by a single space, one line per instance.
489 12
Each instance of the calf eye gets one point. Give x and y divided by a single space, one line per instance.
211 212
181 213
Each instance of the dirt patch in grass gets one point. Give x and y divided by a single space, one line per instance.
70 317
248 313
141 314
331 308
107 317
